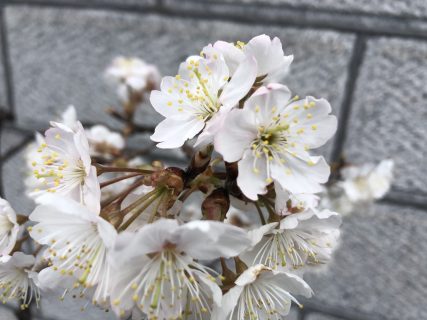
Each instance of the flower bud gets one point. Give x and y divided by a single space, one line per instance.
172 178
199 163
216 205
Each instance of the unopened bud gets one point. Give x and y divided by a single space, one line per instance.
216 205
199 162
174 179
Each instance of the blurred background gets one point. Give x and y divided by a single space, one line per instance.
367 57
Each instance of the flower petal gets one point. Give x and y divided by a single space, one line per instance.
173 132
240 84
251 180
211 239
238 131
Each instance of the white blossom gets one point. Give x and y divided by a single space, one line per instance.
63 166
78 241
270 138
367 182
299 239
204 90
132 74
272 63
261 293
9 227
17 281
159 272
103 141
287 203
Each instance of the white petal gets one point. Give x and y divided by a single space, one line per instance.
266 99
229 302
211 239
269 55
314 120
252 180
173 132
297 176
92 192
149 239
233 56
238 131
240 84
292 283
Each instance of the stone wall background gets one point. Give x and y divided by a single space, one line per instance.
368 57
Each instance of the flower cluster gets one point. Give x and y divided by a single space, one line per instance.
228 237
357 186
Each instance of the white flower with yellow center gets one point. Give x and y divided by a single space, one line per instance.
300 239
63 166
261 293
77 241
203 91
9 228
270 138
367 182
17 281
159 272
132 74
272 63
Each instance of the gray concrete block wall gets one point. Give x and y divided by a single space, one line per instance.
366 57
389 112
412 8
3 91
379 267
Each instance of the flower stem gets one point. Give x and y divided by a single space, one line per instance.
152 197
261 216
103 169
112 181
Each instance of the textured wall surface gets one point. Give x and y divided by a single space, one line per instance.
368 57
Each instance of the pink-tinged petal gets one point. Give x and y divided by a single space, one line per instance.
211 239
173 132
267 102
252 178
298 176
237 133
240 84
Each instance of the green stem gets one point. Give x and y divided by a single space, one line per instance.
261 216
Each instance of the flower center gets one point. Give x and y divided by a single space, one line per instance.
55 172
284 245
270 143
168 282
